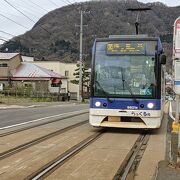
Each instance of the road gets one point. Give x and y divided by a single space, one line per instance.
10 117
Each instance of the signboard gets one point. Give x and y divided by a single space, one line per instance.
120 48
177 38
176 56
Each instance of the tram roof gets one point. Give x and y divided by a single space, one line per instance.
128 37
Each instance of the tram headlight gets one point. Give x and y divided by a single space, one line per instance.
150 105
98 104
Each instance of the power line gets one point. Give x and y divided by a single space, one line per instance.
13 21
7 33
19 11
3 39
29 9
38 6
53 3
69 1
12 35
30 12
66 2
25 15
27 6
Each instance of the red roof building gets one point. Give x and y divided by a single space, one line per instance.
29 72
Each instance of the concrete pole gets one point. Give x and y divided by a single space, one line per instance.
178 125
80 60
177 108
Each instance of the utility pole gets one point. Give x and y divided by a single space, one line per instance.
81 56
80 60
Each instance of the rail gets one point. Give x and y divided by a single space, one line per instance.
132 158
24 146
58 118
49 168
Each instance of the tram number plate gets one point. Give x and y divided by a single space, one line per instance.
132 107
142 114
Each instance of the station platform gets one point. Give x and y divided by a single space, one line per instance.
167 169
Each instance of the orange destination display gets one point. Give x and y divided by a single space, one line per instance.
121 48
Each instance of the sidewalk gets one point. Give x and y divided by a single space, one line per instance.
35 104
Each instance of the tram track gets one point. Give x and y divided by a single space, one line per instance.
61 159
126 170
24 146
71 114
133 158
45 153
127 167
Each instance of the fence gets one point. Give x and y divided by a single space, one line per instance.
13 96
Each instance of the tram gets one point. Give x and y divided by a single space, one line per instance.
127 82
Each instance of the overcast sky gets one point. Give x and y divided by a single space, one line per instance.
35 9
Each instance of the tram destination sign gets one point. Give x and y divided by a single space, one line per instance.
121 48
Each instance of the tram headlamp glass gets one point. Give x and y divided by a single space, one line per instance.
98 104
150 105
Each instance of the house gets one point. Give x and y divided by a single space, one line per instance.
15 73
42 79
8 62
65 69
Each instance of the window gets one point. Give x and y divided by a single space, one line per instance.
3 65
54 85
66 73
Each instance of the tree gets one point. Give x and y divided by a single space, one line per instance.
85 78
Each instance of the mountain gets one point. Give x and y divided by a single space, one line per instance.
56 35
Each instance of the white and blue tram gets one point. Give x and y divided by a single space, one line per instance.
127 82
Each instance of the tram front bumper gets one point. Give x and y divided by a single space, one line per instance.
148 118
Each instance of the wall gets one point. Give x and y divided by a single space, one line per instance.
12 64
56 89
4 71
61 68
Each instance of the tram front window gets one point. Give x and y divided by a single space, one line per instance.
124 76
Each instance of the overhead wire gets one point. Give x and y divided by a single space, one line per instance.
2 15
69 1
28 6
39 6
13 35
25 15
7 33
30 19
1 39
52 2
29 9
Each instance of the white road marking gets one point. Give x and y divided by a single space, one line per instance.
34 106
48 117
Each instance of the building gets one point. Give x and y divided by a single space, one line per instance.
8 63
65 69
27 59
41 79
16 74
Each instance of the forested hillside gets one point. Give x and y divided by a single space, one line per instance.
61 42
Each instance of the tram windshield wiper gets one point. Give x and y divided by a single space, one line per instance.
105 92
127 86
